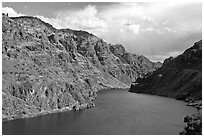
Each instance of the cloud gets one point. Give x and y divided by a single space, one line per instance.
126 12
150 29
165 22
162 56
135 28
157 27
174 53
85 19
156 58
53 21
11 12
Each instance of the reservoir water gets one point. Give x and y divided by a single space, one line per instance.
116 112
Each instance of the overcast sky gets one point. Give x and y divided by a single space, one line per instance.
156 30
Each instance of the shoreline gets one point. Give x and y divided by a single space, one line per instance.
75 107
66 109
194 118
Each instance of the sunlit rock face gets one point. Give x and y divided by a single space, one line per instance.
48 70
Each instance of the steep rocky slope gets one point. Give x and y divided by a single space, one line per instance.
48 70
181 78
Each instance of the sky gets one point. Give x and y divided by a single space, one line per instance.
157 30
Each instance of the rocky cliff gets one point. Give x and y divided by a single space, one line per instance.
47 70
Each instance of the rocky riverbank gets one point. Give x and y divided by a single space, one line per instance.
74 107
194 121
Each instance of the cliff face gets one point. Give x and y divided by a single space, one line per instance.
179 77
46 70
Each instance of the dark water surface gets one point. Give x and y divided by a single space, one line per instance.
116 112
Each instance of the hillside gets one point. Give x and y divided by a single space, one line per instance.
179 77
47 70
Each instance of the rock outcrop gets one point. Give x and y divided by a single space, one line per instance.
46 70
